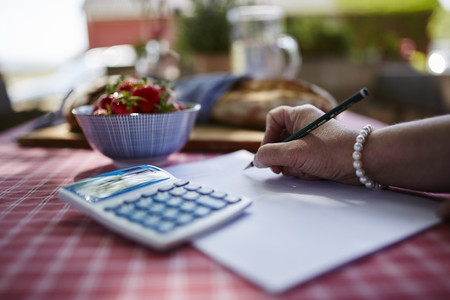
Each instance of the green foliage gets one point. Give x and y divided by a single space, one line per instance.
439 26
319 35
208 30
385 6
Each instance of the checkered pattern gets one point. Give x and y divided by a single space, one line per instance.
48 250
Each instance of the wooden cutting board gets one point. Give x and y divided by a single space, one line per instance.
203 138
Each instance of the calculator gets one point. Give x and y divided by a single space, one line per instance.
151 206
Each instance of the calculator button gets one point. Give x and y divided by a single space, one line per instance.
190 196
188 206
165 226
144 203
165 188
201 211
124 210
131 201
205 190
211 202
170 213
184 218
149 193
174 202
157 208
161 197
138 215
232 199
181 183
218 194
151 221
179 191
192 187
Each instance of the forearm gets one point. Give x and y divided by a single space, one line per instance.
413 155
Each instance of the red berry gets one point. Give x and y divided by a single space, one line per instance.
103 101
127 84
150 96
119 106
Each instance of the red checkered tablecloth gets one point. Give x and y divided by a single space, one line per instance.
49 250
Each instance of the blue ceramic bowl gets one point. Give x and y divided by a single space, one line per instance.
137 136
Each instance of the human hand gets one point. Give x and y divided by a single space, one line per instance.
443 211
324 153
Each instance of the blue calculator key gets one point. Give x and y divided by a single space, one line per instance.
184 218
151 221
149 193
190 196
211 202
165 188
188 206
124 210
157 208
192 187
179 191
138 215
174 202
218 194
165 226
181 183
232 199
201 211
131 201
162 197
170 213
205 190
144 203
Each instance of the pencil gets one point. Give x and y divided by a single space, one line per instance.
326 117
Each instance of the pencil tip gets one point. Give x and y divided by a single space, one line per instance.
249 166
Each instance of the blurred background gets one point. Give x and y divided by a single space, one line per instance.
400 49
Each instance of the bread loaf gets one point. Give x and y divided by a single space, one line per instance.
247 103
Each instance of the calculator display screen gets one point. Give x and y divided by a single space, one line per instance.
102 187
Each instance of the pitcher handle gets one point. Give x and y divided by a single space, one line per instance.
294 59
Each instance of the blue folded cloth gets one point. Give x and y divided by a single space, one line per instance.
205 89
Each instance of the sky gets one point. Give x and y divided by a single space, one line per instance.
41 32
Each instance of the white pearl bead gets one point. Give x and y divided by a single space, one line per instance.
358 147
369 184
356 155
357 164
360 139
360 173
364 133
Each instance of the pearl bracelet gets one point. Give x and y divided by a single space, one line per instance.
357 156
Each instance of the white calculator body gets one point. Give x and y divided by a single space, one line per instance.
149 205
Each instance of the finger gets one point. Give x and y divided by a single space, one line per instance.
443 210
276 125
281 154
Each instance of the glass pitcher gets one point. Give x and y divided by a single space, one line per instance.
258 46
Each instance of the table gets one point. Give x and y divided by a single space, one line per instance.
49 250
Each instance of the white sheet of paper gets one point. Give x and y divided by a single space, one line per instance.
296 230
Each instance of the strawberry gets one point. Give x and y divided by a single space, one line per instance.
127 84
149 96
103 102
121 105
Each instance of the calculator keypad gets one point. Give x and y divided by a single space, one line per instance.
166 208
